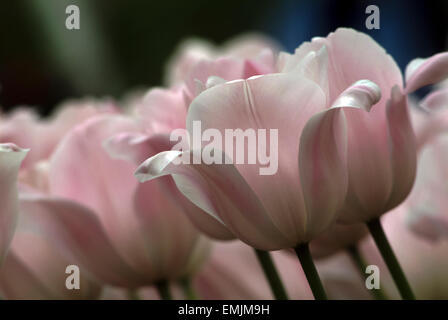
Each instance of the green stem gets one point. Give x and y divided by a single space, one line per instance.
304 255
164 290
189 292
359 262
278 290
133 294
377 232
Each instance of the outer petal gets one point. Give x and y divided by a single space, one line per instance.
78 233
11 157
220 191
422 72
35 269
323 156
404 149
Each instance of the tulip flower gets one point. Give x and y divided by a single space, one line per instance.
25 128
123 233
242 57
292 206
381 155
11 156
163 110
35 267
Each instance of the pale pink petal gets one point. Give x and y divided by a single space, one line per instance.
354 56
35 269
423 72
323 155
78 233
323 169
11 158
403 146
162 110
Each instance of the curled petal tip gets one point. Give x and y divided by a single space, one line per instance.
153 167
11 147
362 94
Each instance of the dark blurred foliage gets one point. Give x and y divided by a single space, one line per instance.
124 45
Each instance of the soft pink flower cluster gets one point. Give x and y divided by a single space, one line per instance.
97 185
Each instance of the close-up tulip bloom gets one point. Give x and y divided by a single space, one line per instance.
324 176
140 234
289 150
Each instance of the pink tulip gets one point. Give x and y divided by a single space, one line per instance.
381 147
124 233
35 267
41 135
11 157
291 206
196 61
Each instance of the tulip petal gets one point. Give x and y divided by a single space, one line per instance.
35 269
162 110
11 158
353 56
323 155
79 233
221 191
403 146
421 72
